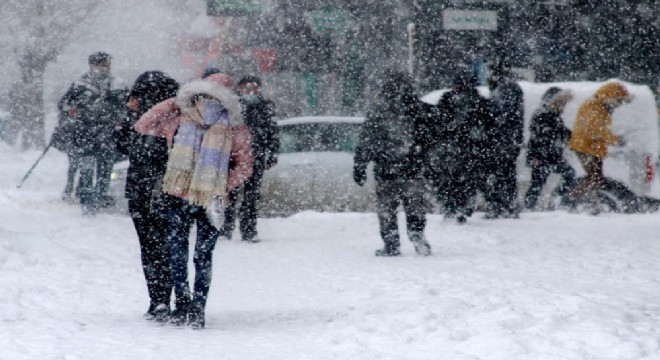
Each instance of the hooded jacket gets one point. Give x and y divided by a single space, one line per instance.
592 129
163 119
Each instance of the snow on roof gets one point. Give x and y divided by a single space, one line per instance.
321 119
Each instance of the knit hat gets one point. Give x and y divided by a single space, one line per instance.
99 57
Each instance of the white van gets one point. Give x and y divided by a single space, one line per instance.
634 164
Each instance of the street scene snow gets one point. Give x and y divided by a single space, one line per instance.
329 179
550 285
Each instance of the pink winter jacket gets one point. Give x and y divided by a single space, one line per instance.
163 119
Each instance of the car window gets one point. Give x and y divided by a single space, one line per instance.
319 137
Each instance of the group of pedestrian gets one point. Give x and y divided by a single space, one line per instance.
195 149
191 148
469 143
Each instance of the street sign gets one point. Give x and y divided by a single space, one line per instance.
469 20
328 18
232 7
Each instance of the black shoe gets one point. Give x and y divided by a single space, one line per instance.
161 313
388 251
422 247
196 319
461 219
149 315
179 316
252 240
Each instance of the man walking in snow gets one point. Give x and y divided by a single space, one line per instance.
97 102
507 108
257 113
390 137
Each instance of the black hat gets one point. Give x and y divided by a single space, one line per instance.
99 57
550 93
466 77
210 71
249 79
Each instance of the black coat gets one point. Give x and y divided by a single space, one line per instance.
547 136
394 137
507 107
258 115
465 133
147 155
100 107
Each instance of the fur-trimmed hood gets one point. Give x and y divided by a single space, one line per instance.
227 98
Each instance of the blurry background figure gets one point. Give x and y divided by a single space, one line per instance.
147 157
97 103
461 145
390 137
591 137
258 115
507 108
545 150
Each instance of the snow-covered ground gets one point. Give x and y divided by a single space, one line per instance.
548 286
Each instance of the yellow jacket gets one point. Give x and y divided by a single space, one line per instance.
592 132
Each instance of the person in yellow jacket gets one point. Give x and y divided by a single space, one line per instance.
592 135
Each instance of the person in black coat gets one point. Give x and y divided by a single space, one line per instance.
545 149
507 108
147 157
97 102
258 114
464 135
390 137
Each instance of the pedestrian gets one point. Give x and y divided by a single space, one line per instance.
591 137
390 139
147 156
545 150
210 156
507 108
462 137
258 115
97 102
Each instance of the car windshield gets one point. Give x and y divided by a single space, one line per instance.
319 137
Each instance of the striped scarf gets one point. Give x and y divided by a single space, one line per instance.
198 163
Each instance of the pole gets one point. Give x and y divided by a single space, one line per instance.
35 165
410 29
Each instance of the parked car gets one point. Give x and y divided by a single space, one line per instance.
315 167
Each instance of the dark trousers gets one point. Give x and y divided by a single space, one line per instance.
460 186
502 193
391 193
248 211
181 217
101 166
540 175
71 174
151 231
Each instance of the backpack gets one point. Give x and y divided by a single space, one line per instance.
64 134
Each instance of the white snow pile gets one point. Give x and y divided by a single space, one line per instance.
549 286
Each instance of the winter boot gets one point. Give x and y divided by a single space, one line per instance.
196 318
179 316
422 247
149 315
390 249
161 313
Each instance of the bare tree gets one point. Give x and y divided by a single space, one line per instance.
35 31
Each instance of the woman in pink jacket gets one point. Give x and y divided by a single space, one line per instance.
210 154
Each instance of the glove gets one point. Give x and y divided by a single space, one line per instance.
360 176
622 141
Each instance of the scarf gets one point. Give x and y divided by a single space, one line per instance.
198 163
